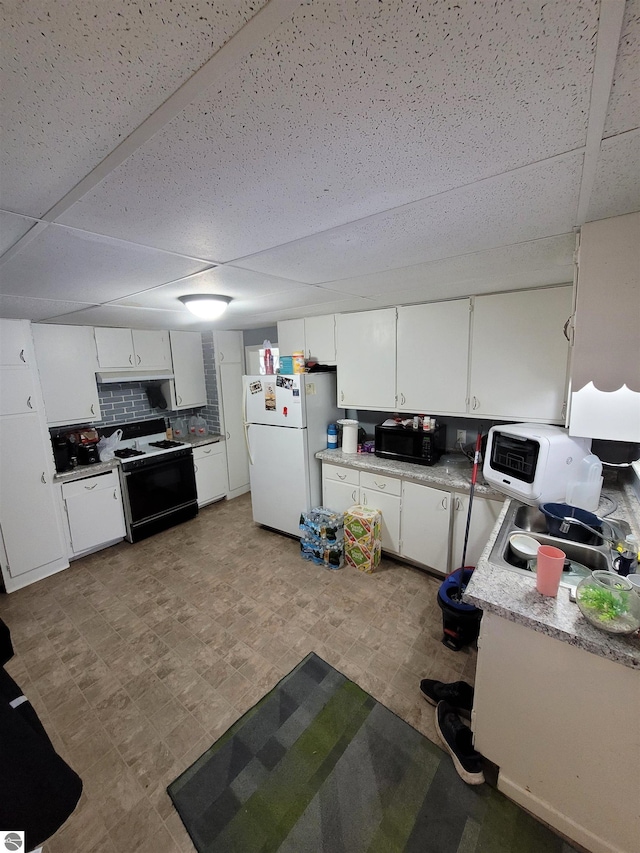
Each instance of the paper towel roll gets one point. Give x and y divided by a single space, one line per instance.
349 435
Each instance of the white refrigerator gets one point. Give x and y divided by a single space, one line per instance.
286 419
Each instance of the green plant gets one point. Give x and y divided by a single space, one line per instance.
609 605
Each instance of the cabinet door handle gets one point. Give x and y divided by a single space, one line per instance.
115 494
29 402
43 479
22 358
353 496
566 327
228 435
139 359
207 451
131 359
92 410
380 485
195 468
364 500
444 503
476 403
341 476
179 400
402 399
309 356
221 356
89 488
342 396
458 505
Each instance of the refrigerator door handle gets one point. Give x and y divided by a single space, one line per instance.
246 441
244 418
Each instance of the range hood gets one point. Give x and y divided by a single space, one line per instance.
107 377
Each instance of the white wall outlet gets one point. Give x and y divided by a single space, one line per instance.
462 436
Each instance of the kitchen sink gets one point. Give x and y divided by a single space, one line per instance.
594 556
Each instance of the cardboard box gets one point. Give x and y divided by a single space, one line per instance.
362 538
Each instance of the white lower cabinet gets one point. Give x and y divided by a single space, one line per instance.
425 525
210 464
484 515
94 512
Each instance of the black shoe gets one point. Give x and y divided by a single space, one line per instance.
459 694
457 739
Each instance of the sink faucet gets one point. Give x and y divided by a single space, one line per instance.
613 543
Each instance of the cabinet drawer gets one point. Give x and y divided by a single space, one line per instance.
108 480
381 483
206 450
342 475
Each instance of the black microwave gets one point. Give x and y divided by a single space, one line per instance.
405 444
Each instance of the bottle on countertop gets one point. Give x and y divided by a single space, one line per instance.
179 429
268 358
627 562
332 437
169 432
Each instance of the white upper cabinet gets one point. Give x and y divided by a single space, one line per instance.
519 355
187 388
314 336
122 349
366 350
66 359
15 344
433 357
228 347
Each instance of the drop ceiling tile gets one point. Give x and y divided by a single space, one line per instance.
130 318
474 286
623 112
79 78
616 189
434 279
539 201
72 265
12 227
239 284
27 308
350 110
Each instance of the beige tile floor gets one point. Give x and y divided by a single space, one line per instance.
138 657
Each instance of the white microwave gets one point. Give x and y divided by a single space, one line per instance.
533 463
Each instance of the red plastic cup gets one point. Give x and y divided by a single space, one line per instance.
549 569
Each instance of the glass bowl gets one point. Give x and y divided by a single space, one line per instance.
609 602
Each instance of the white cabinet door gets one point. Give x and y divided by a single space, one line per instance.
389 506
339 496
519 354
429 335
233 427
291 337
210 466
320 338
15 343
30 525
17 391
94 510
228 347
151 349
484 514
66 358
366 351
425 525
187 388
115 348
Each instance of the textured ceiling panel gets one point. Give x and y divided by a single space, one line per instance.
433 279
352 109
531 203
66 264
12 227
79 76
129 318
28 308
624 102
617 186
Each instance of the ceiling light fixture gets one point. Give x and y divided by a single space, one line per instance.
206 306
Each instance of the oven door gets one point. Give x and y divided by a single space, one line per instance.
160 494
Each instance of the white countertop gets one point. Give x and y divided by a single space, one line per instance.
453 471
513 596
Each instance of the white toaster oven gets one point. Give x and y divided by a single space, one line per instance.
533 463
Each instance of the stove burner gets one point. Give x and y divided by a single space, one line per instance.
127 452
165 445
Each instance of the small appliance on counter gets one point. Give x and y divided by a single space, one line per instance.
86 441
407 443
61 452
534 463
